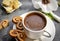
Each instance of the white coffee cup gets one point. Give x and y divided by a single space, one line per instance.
35 34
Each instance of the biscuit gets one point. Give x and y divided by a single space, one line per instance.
13 33
21 37
16 19
5 23
19 26
19 31
0 26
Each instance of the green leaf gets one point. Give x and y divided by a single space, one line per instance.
47 14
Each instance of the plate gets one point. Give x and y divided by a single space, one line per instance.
50 28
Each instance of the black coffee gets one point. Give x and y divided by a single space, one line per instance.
35 21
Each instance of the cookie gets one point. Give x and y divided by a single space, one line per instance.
21 37
16 19
19 26
13 33
0 26
19 31
5 23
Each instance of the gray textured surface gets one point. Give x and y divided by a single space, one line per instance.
57 25
27 6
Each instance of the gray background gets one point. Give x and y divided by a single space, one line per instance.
27 6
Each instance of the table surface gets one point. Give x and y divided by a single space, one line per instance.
27 6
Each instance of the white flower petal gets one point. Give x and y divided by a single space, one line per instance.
53 5
36 5
44 7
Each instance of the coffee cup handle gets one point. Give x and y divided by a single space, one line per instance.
44 34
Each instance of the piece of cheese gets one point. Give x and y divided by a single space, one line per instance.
8 9
6 2
16 4
11 5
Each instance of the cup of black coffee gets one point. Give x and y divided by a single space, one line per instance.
35 23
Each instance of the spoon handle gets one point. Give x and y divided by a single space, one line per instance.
57 18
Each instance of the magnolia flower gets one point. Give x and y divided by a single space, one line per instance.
51 6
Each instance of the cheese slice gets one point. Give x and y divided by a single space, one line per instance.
8 9
6 2
11 5
16 4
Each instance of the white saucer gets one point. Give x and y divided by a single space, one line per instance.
50 28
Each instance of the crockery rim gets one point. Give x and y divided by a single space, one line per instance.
28 14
